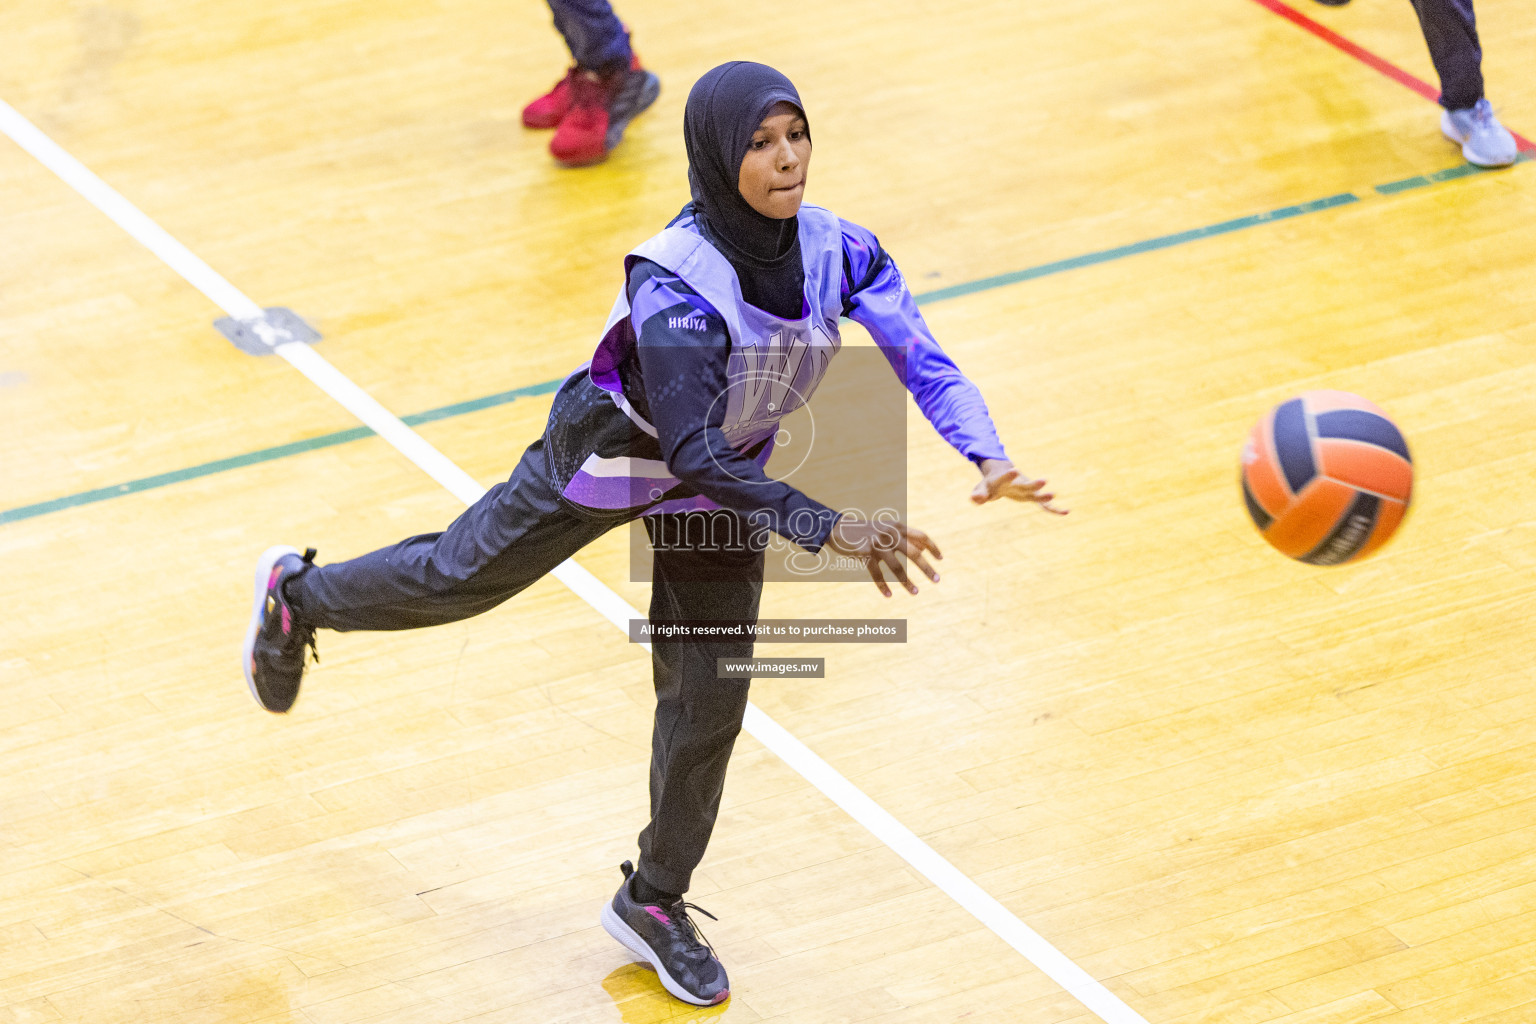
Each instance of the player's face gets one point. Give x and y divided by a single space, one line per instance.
772 177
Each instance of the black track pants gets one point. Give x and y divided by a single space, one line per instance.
514 535
697 715
1450 30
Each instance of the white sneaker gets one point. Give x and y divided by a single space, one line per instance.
1483 140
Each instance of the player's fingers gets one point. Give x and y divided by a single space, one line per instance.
898 570
1044 501
921 540
918 560
980 494
873 564
1033 493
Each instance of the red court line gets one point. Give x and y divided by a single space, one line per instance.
1366 57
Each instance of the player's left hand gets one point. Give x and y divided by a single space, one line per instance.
999 479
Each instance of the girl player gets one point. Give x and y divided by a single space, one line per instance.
746 275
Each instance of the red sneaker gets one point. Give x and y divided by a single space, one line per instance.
580 139
547 110
601 106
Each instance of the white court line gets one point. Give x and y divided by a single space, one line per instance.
950 879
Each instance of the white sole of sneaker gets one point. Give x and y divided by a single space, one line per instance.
264 566
627 938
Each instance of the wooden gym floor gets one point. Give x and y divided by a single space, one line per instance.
1231 788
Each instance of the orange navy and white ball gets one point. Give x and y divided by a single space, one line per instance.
1326 477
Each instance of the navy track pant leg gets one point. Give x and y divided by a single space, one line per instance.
499 546
517 533
1450 30
595 35
697 715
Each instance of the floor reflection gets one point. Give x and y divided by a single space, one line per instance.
640 999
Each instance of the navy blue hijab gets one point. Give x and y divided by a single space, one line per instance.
724 108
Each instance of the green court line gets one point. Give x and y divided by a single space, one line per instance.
416 419
283 451
1150 245
1392 188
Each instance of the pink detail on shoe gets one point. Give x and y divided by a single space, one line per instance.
658 915
721 996
277 571
287 621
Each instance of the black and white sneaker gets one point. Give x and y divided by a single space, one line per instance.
275 642
662 934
